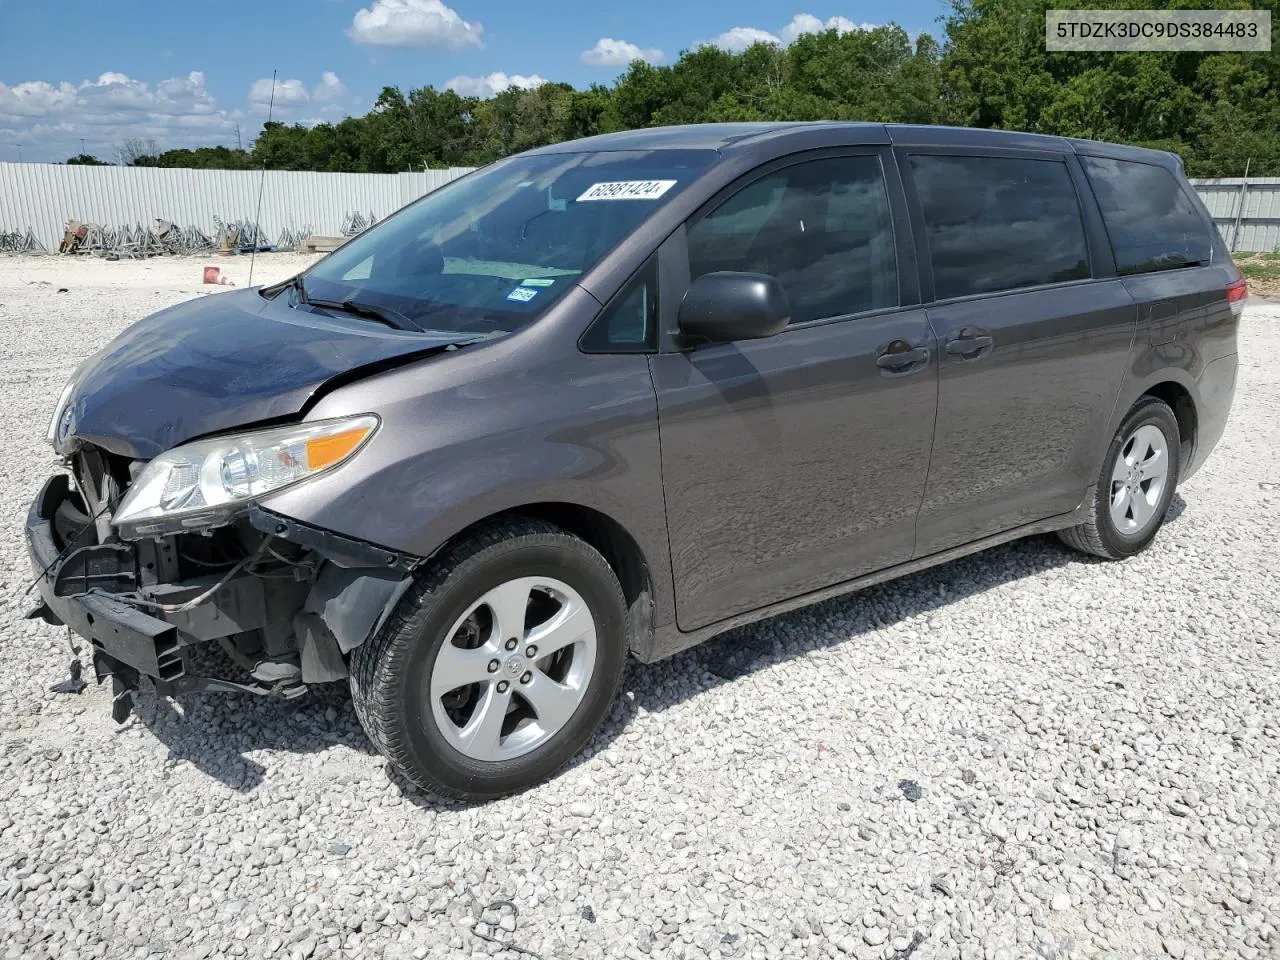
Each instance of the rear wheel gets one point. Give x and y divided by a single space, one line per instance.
1136 485
499 663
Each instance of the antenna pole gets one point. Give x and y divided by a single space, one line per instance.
257 218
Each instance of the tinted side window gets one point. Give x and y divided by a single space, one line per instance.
1150 220
627 324
999 223
822 228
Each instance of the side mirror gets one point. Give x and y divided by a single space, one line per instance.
726 306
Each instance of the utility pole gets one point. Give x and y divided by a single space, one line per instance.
82 146
238 145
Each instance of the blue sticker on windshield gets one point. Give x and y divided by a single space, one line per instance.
522 294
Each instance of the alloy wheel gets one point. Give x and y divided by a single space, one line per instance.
513 668
1138 480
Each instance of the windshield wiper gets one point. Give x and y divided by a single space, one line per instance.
274 290
385 315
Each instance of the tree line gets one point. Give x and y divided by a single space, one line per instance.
989 69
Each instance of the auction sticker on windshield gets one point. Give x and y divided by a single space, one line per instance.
627 190
522 294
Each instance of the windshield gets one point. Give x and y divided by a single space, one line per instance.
491 252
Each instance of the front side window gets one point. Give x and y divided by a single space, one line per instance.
1150 220
999 223
491 252
822 228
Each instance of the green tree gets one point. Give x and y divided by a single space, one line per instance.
990 68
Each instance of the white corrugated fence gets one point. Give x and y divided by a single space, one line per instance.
44 196
1247 212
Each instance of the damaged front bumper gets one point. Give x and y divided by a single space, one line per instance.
286 609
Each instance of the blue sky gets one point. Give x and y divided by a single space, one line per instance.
187 72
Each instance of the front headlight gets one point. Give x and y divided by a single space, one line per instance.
64 400
207 483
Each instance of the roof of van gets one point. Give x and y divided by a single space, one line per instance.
720 136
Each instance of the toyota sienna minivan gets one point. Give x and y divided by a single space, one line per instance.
615 396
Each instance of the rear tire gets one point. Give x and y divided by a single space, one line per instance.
1136 485
426 689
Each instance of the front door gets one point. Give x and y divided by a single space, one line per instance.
798 461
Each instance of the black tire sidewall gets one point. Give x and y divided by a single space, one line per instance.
565 559
1155 413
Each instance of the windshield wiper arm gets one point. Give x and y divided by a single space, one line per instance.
269 292
385 315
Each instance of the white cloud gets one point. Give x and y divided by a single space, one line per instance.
492 85
286 92
292 97
803 23
739 38
34 98
419 24
618 53
329 87
49 119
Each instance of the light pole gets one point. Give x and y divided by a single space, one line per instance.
19 153
82 146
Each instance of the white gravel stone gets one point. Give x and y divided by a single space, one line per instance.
1096 746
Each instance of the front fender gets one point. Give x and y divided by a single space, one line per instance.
462 440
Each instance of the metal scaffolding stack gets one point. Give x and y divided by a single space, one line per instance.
20 242
357 222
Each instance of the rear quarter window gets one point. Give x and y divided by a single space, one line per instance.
1151 221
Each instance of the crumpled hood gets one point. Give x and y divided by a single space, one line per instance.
220 362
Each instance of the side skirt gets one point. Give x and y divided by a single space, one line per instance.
673 641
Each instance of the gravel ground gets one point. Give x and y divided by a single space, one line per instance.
1019 754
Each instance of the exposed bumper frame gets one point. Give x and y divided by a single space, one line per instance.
139 651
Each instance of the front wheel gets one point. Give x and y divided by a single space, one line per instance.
498 664
1136 485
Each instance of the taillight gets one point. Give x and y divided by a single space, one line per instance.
1237 293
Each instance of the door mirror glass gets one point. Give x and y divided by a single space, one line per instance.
725 306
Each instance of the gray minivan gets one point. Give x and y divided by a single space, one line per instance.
615 396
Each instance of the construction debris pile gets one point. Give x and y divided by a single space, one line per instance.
137 241
20 242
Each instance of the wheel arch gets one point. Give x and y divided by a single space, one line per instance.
620 549
1174 387
1178 398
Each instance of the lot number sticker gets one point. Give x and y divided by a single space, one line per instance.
627 190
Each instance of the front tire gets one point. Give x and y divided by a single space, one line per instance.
498 664
1136 485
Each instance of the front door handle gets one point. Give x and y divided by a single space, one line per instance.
899 357
969 344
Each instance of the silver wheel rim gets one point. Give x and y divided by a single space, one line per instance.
513 669
1138 480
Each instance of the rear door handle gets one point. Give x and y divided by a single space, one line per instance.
969 344
899 361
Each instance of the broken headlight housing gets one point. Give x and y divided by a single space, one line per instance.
207 483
